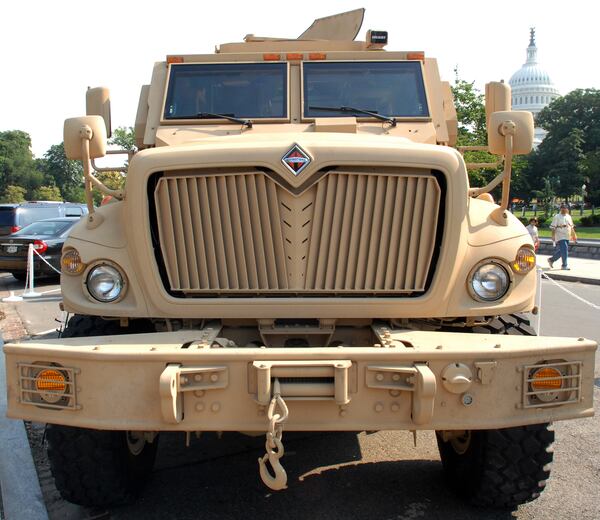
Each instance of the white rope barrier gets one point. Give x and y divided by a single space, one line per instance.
46 262
576 296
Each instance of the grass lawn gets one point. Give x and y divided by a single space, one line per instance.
582 232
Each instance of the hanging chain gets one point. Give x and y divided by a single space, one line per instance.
277 414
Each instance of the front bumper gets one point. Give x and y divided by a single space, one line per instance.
177 381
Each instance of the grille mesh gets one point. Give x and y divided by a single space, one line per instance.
350 232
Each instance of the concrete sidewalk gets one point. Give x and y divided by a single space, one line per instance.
582 270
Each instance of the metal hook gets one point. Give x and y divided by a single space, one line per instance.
279 481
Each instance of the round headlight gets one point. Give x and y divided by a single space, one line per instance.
489 282
104 283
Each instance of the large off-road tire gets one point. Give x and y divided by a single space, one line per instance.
94 467
81 326
511 324
98 468
499 468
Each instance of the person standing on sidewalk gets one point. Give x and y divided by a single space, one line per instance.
563 230
533 231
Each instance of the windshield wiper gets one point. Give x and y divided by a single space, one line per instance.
210 115
391 120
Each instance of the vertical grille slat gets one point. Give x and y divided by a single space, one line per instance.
196 223
247 236
407 218
184 281
343 252
236 230
209 243
188 232
350 232
315 239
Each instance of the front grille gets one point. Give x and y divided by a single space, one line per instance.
351 231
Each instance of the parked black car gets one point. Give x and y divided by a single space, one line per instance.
14 217
47 237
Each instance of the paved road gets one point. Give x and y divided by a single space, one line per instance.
379 476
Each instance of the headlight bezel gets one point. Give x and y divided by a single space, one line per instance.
496 262
104 263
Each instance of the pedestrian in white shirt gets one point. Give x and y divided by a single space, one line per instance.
533 231
563 230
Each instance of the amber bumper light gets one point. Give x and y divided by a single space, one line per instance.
51 381
547 378
71 263
524 261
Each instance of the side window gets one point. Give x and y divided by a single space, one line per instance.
29 215
73 211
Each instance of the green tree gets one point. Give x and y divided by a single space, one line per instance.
17 165
13 194
124 137
579 109
472 130
591 173
64 173
47 193
570 153
111 179
546 195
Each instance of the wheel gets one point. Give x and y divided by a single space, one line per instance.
98 468
20 276
94 467
498 468
82 326
512 324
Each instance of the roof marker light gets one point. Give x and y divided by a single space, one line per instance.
272 57
317 56
415 56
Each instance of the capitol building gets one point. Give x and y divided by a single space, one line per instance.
532 88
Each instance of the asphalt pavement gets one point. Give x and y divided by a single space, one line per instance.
345 475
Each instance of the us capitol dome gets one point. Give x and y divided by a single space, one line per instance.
532 88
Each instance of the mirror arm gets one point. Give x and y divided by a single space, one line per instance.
88 177
86 135
507 129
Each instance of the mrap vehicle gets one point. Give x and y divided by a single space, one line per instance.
298 248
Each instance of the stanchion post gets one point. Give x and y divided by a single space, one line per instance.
30 290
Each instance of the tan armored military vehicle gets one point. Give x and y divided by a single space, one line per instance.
298 248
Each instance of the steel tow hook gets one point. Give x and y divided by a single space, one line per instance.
273 444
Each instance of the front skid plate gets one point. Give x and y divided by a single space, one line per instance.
417 380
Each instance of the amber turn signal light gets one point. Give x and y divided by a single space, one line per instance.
546 378
71 263
524 261
51 381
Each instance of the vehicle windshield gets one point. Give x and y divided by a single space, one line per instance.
390 88
46 227
244 90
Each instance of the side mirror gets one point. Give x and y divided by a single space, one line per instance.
519 123
497 99
97 103
75 130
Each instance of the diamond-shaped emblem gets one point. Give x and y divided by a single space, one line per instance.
296 159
